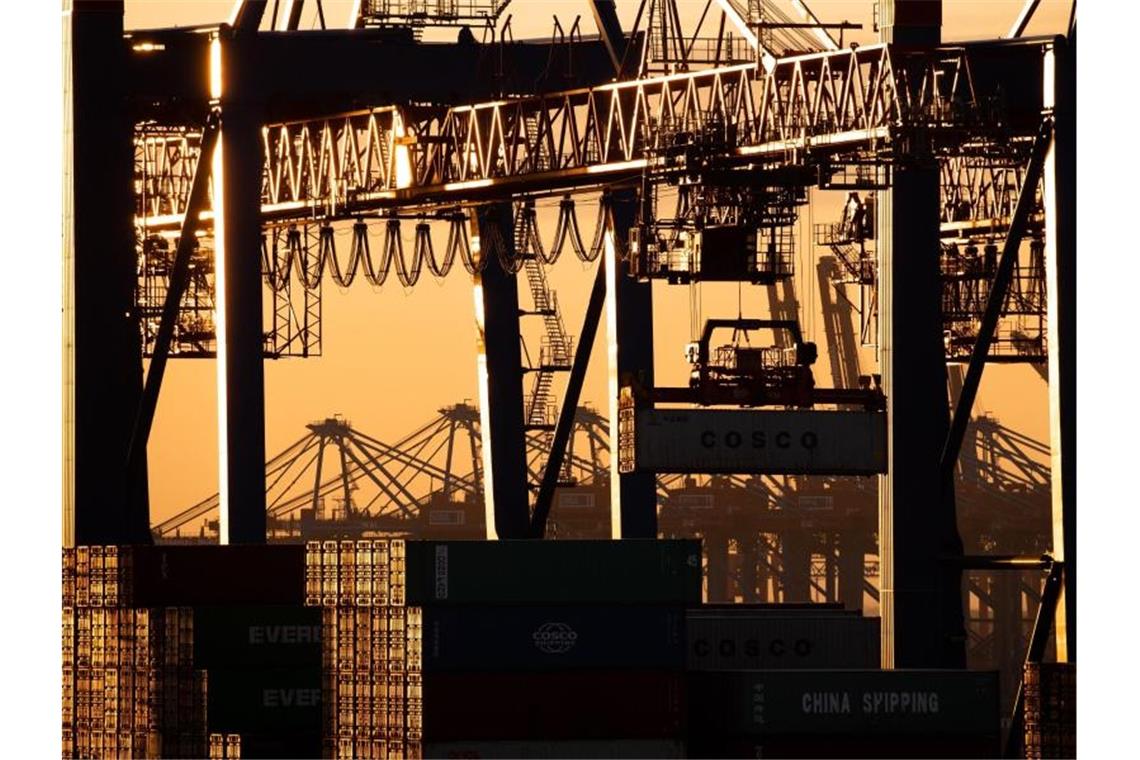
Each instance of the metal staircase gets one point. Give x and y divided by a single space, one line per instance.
556 347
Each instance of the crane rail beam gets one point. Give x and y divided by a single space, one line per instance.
412 156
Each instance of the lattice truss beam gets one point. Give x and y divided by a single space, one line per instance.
335 168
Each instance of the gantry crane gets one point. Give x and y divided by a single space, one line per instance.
458 146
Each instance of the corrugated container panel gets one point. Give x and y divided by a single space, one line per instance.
768 441
262 635
878 702
524 638
776 640
571 705
554 572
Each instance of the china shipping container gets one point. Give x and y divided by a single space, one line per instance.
554 572
553 705
775 639
257 636
465 638
842 707
552 750
742 441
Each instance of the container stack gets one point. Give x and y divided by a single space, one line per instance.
780 637
129 687
1050 710
225 747
844 713
372 690
554 649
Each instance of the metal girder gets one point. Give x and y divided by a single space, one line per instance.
315 73
569 408
179 277
629 322
102 360
500 378
609 27
1023 18
998 291
339 167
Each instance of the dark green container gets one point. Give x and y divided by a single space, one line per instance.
843 702
554 572
257 636
251 701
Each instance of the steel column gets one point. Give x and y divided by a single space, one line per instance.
920 596
103 377
629 323
238 284
795 552
500 378
716 555
852 547
1060 194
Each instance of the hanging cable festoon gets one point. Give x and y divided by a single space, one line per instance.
424 241
342 277
567 229
457 242
362 251
598 244
394 251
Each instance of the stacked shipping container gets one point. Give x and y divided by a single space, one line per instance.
129 685
372 692
1050 710
555 649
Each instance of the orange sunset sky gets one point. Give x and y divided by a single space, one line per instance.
394 356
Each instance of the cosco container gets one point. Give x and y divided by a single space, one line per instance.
458 638
751 441
553 705
554 572
843 702
775 639
257 636
552 750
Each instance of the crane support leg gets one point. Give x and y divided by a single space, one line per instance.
1060 193
852 547
920 596
629 307
501 381
998 292
179 278
241 378
103 376
565 424
609 27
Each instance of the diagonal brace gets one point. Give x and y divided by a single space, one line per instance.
566 415
179 278
998 292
